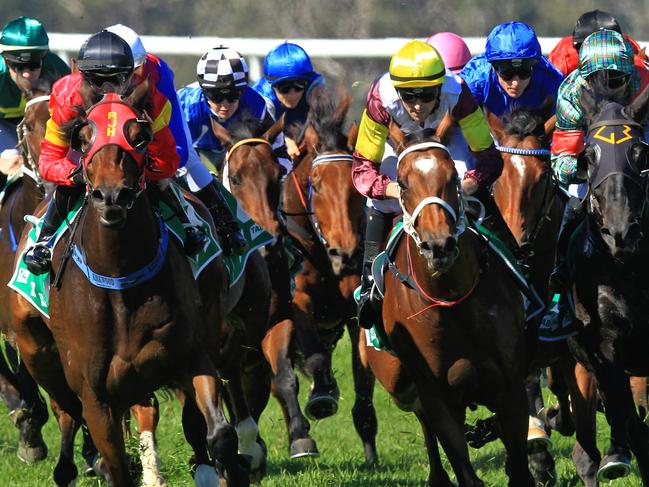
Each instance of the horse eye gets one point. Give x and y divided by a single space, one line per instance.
402 185
234 180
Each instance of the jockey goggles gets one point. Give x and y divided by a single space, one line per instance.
20 67
508 69
217 95
285 87
97 79
424 95
617 79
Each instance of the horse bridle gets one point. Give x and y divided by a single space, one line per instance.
410 219
21 130
548 191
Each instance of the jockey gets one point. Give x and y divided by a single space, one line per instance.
199 179
512 72
26 59
222 94
604 54
454 51
565 55
288 81
417 93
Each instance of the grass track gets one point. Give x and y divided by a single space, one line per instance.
400 443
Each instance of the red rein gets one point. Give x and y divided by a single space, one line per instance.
435 302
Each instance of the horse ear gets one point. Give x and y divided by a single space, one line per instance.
73 65
588 104
352 135
343 106
549 126
396 135
443 130
221 133
637 110
495 125
274 129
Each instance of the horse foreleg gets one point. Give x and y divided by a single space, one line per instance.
276 346
363 411
106 429
221 437
146 413
437 476
65 470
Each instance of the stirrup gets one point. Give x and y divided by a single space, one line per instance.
231 238
195 240
38 259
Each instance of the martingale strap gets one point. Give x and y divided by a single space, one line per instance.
131 280
331 158
523 152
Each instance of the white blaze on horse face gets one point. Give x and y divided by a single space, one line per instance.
425 165
519 164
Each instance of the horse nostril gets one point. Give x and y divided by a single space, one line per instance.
334 252
426 245
98 195
125 196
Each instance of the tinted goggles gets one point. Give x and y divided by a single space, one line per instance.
508 73
289 86
97 80
617 80
424 95
20 67
219 96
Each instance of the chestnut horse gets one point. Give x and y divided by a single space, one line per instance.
326 220
253 175
104 349
454 318
19 392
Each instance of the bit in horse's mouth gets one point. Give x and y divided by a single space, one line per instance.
113 216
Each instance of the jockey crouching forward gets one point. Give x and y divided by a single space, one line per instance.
417 93
26 59
604 57
106 64
222 95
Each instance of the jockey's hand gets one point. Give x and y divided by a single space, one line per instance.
393 190
76 176
469 186
10 163
292 148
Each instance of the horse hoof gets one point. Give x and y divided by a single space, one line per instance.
206 476
32 454
613 466
537 438
321 405
304 447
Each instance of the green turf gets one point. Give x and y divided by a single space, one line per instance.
400 443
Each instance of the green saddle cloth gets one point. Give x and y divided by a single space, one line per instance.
35 289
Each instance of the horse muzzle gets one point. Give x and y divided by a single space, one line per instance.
440 254
113 204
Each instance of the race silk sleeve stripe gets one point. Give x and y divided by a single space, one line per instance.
371 138
476 131
162 120
54 134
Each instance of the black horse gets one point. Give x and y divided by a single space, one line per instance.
610 259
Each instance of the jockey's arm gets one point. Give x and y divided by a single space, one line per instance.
474 126
54 163
163 159
370 146
568 137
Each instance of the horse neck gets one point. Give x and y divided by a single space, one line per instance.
117 252
296 190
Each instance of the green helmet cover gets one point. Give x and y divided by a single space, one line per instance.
24 40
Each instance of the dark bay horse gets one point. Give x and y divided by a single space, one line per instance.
610 294
103 349
19 391
326 219
254 177
454 319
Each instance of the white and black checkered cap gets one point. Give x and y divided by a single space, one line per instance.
222 67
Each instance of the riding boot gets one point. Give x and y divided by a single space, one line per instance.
369 304
494 221
227 227
572 217
195 239
38 258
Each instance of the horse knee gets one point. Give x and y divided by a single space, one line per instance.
462 374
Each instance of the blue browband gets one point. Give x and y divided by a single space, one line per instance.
133 279
523 152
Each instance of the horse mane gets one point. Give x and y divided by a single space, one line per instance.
247 126
426 135
523 122
41 86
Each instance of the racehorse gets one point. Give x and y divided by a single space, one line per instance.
105 348
453 317
326 220
609 261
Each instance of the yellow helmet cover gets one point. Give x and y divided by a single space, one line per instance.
417 65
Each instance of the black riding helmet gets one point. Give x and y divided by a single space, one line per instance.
106 58
591 22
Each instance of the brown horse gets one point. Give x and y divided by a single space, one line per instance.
325 218
19 391
453 317
104 349
254 176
